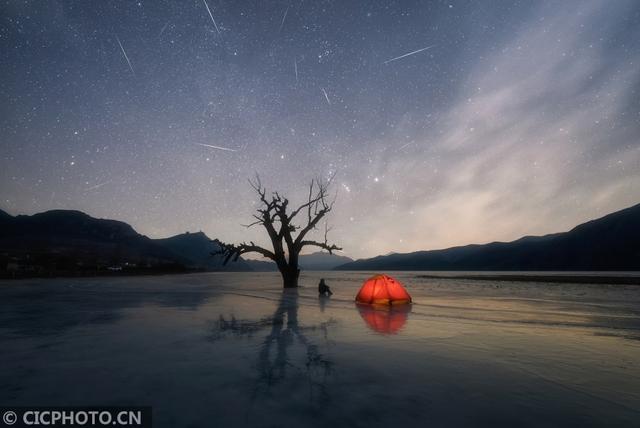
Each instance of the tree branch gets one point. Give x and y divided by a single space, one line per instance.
272 210
232 251
312 224
312 199
330 248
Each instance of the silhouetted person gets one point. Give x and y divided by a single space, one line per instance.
323 288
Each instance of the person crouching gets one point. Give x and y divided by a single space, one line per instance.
323 288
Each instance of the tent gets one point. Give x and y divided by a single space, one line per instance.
385 319
383 290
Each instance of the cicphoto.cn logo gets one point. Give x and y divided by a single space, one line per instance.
139 417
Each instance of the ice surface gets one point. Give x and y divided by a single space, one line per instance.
233 349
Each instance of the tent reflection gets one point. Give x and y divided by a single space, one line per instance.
384 319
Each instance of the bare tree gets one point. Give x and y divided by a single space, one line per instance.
279 222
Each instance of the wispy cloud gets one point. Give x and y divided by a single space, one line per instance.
536 142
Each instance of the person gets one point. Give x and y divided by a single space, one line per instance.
323 288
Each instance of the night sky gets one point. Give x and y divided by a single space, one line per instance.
520 117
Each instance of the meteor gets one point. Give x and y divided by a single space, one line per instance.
125 55
217 147
211 15
408 54
283 18
97 186
326 96
163 28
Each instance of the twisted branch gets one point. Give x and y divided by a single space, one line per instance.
274 210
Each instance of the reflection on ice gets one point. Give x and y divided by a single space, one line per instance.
234 350
282 332
384 319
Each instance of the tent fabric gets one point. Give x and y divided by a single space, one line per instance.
383 290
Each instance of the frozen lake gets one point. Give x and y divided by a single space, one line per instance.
234 350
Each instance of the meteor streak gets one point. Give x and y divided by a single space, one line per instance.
326 96
217 147
211 15
97 186
125 55
283 18
163 28
408 54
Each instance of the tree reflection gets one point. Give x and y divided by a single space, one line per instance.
278 358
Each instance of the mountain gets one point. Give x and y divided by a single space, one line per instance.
320 260
608 243
196 249
261 265
63 241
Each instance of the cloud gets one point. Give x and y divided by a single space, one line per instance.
538 139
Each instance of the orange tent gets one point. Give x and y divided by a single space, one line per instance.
383 290
385 319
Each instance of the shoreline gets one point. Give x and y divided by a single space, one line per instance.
558 278
630 278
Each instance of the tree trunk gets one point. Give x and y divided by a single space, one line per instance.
290 276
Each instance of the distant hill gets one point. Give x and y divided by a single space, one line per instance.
196 249
609 243
315 261
261 265
63 241
66 242
322 261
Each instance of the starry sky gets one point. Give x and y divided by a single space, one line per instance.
513 118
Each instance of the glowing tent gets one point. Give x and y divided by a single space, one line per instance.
383 290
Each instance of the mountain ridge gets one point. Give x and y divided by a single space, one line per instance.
197 249
611 242
70 242
316 261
